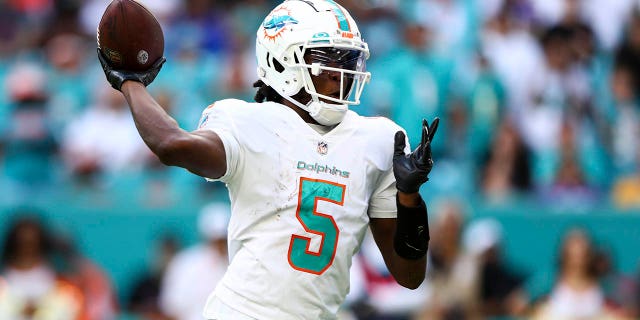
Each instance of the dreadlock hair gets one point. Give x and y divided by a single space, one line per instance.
265 92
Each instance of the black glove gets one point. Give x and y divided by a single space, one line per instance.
412 170
117 77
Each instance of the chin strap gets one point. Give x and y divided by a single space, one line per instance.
325 113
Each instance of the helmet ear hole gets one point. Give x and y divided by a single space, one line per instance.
268 59
277 66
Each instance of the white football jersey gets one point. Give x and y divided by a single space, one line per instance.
301 203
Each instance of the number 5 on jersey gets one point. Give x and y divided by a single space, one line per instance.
310 193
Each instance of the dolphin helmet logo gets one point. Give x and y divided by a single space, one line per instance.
276 22
279 22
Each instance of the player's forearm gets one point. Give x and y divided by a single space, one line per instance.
155 126
411 238
201 152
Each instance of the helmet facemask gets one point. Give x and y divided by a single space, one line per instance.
329 64
333 77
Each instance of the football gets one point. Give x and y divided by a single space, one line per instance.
129 36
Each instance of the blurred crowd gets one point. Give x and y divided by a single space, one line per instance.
43 276
538 98
539 108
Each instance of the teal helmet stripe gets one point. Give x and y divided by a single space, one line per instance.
343 22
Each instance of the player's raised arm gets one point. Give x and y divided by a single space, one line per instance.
130 49
200 152
404 241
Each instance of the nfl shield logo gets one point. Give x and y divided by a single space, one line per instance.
322 147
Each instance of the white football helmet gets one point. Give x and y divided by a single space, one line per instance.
328 35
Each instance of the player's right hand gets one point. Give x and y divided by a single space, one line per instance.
412 170
117 77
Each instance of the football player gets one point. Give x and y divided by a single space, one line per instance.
306 175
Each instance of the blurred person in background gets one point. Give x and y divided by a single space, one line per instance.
625 192
570 188
193 273
500 286
576 293
143 300
513 52
486 107
103 140
67 78
35 290
506 170
452 282
94 283
594 66
29 149
558 90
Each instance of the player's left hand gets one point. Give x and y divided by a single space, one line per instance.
412 170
